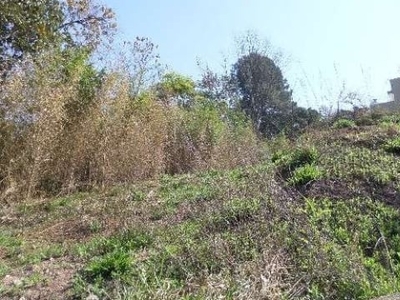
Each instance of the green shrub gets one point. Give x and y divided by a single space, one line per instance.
305 174
390 119
392 146
288 162
112 265
344 123
297 158
365 121
303 156
278 156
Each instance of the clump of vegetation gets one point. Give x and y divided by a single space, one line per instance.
298 166
392 118
298 157
116 264
392 146
303 156
365 120
305 174
344 123
98 133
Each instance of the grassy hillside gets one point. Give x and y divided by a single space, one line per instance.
317 219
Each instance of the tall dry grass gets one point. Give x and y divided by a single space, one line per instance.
54 139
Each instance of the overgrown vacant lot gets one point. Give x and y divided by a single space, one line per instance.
318 219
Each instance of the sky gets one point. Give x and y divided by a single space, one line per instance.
330 45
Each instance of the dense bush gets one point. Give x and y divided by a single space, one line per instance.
365 121
344 123
392 146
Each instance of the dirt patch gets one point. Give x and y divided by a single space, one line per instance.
328 188
77 230
51 279
388 193
3 253
342 190
69 230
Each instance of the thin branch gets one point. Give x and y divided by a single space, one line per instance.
82 21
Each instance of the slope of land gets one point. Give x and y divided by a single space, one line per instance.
318 219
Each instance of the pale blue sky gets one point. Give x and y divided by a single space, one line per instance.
360 37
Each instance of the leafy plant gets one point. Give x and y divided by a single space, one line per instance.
305 174
112 265
304 155
136 195
344 123
392 146
288 162
390 119
365 121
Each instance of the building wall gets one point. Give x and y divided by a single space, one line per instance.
394 95
395 84
393 106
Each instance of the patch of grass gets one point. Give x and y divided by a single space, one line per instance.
9 244
130 240
365 121
159 212
182 190
233 213
302 156
109 260
362 164
298 166
239 234
394 119
34 279
342 236
59 204
243 205
4 269
95 226
42 252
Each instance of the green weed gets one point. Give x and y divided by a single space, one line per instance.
305 174
392 146
344 123
116 264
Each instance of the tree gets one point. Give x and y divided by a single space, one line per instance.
141 63
302 118
78 70
27 26
176 88
265 94
218 87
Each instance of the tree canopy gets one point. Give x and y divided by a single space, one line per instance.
265 94
30 26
